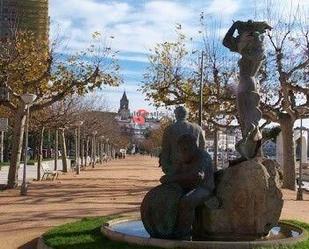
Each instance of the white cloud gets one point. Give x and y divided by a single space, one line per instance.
167 12
223 7
136 28
136 58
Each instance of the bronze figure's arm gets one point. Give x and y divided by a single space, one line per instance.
229 40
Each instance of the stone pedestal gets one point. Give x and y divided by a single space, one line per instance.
250 203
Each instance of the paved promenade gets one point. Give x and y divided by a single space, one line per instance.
113 188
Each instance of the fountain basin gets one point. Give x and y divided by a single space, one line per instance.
132 231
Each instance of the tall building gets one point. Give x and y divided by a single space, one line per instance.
26 15
124 111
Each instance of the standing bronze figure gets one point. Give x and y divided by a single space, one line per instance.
248 43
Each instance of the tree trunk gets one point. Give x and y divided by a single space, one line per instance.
93 152
63 151
17 142
287 124
40 154
87 152
35 139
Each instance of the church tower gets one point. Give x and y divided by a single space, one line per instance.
124 111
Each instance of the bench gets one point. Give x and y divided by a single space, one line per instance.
47 172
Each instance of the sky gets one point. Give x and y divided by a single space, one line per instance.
137 25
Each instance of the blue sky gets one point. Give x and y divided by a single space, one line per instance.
137 26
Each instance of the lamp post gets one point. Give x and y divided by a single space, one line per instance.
201 90
299 196
28 100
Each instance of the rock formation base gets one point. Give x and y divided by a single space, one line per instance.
250 203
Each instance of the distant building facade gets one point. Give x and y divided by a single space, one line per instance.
127 121
25 15
225 141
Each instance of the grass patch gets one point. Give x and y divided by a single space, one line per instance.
86 234
301 245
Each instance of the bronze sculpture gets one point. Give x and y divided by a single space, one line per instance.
169 155
168 210
248 43
194 174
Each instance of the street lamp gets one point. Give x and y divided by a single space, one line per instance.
201 90
28 100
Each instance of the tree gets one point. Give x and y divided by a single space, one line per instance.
104 122
55 117
153 141
284 79
27 65
167 80
173 78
